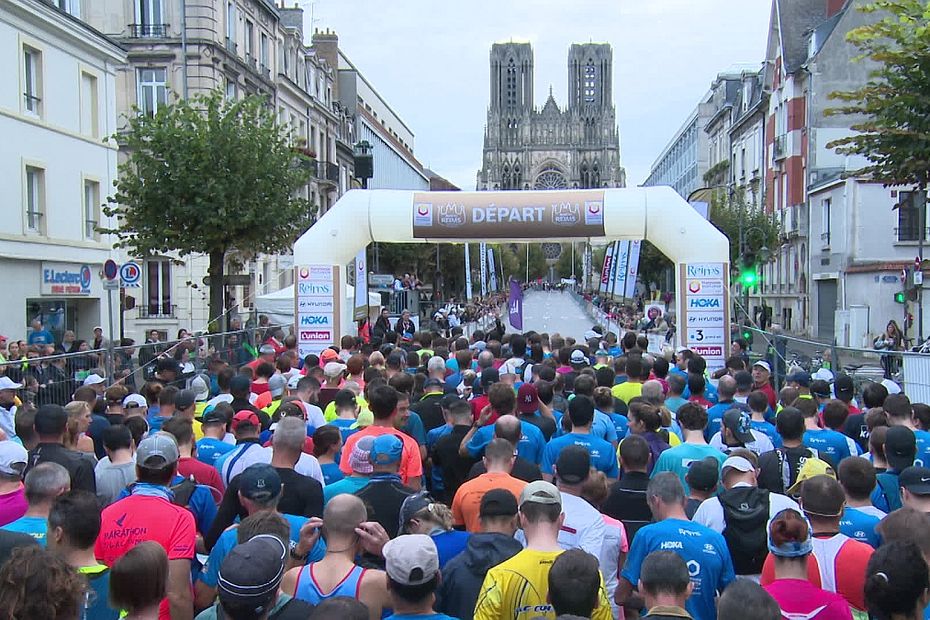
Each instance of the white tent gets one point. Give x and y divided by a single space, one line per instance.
279 305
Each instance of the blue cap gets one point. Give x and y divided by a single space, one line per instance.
385 450
259 482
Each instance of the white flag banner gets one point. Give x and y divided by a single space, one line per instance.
493 269
467 274
606 269
632 268
621 264
483 252
361 285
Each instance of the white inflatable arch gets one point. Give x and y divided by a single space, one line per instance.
699 251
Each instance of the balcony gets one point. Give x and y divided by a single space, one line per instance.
910 234
780 147
266 71
251 61
327 172
231 45
157 311
148 31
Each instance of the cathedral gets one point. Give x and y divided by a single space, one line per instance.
551 148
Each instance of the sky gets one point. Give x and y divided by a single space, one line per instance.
429 60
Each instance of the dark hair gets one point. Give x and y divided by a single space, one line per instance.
584 385
402 382
647 414
51 420
696 364
544 389
634 452
788 527
790 426
167 396
138 426
502 398
629 341
139 578
605 376
117 437
223 378
895 580
87 394
264 522
922 415
324 438
835 413
341 607
696 383
664 572
898 406
181 429
77 513
874 395
574 583
660 368
161 476
906 524
634 366
676 383
37 583
745 598
24 425
857 477
382 402
692 417
581 411
758 401
538 513
413 594
822 497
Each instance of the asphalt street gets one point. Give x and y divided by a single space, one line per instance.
555 312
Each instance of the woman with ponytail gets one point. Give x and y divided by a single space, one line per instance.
897 582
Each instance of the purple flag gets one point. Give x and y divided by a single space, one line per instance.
515 305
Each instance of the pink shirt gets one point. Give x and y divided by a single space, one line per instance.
13 505
799 596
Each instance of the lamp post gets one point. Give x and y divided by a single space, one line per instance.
364 170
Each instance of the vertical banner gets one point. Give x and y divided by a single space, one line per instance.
585 265
632 268
606 269
467 274
621 264
361 285
316 300
492 269
704 322
515 305
483 261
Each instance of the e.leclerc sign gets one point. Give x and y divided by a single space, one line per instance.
65 280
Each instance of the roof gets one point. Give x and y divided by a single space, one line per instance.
796 19
824 30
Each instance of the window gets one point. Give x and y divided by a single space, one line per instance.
264 52
32 80
150 13
153 90
72 7
158 286
249 34
35 200
589 82
909 216
825 205
232 91
231 26
91 209
89 105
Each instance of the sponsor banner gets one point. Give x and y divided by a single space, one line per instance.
483 256
316 315
708 350
493 269
65 279
316 321
315 289
705 271
699 304
705 287
632 268
606 269
315 305
705 319
315 273
515 305
706 335
514 215
316 336
305 348
467 273
361 285
620 267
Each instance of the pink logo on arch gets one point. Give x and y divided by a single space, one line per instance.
423 210
304 273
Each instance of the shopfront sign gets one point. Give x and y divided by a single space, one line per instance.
65 280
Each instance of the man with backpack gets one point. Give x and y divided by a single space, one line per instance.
900 452
778 469
741 513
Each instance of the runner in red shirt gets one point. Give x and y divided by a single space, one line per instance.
760 381
148 514
183 432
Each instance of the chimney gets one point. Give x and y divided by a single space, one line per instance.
293 18
326 46
834 7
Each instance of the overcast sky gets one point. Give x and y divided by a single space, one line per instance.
430 61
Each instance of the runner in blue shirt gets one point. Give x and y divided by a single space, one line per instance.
503 401
602 426
758 406
603 457
704 550
212 446
860 526
693 419
726 391
604 405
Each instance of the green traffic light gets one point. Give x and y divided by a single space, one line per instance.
748 277
900 297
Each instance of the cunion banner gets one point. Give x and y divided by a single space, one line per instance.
510 215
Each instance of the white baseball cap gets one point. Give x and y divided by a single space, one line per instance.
136 400
8 384
13 458
93 379
763 364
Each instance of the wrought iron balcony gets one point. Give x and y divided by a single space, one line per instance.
148 31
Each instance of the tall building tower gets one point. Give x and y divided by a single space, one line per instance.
551 147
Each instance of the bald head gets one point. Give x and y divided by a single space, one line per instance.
652 392
343 513
726 388
485 360
508 427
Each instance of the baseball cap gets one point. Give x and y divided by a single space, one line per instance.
135 400
891 386
578 357
333 369
200 386
259 482
245 417
293 381
527 398
364 418
800 377
498 503
739 463
540 492
93 379
359 459
916 480
251 573
184 399
157 451
211 416
276 385
412 505
489 376
900 447
823 374
8 384
843 387
810 468
328 355
266 349
763 364
820 388
739 423
573 465
13 458
703 474
385 450
411 559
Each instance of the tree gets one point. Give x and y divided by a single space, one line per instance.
208 175
728 213
894 104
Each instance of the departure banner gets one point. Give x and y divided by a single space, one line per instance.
704 310
510 215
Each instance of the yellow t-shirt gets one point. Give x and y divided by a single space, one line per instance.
516 590
329 414
198 428
627 391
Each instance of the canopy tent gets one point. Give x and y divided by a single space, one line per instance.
279 305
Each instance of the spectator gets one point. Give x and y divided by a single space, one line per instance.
492 544
412 566
40 584
574 584
385 493
51 424
665 585
13 458
498 461
419 514
44 483
897 582
744 598
627 499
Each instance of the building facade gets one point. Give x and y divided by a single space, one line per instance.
526 147
57 106
747 139
684 161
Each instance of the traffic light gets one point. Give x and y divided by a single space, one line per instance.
900 297
748 277
746 333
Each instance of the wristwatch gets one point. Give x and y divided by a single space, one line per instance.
292 551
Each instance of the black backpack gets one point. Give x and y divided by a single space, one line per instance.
746 513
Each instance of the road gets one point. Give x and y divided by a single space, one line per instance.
552 311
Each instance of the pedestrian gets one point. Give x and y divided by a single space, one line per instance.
139 581
897 584
419 514
574 584
693 419
665 586
413 576
778 469
37 583
860 517
601 453
702 479
13 458
385 492
360 464
736 432
626 501
51 424
498 461
44 483
744 598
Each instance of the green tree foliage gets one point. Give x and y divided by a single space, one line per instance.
727 213
208 175
894 104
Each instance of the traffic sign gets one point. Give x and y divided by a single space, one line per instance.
110 269
110 285
130 274
918 278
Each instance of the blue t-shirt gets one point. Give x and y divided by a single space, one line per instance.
155 422
415 429
209 449
674 403
621 424
704 551
227 540
37 527
860 526
769 429
349 484
432 436
715 415
420 617
923 448
450 544
886 496
830 445
97 604
603 427
41 337
331 472
201 504
530 447
343 425
603 457
678 459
